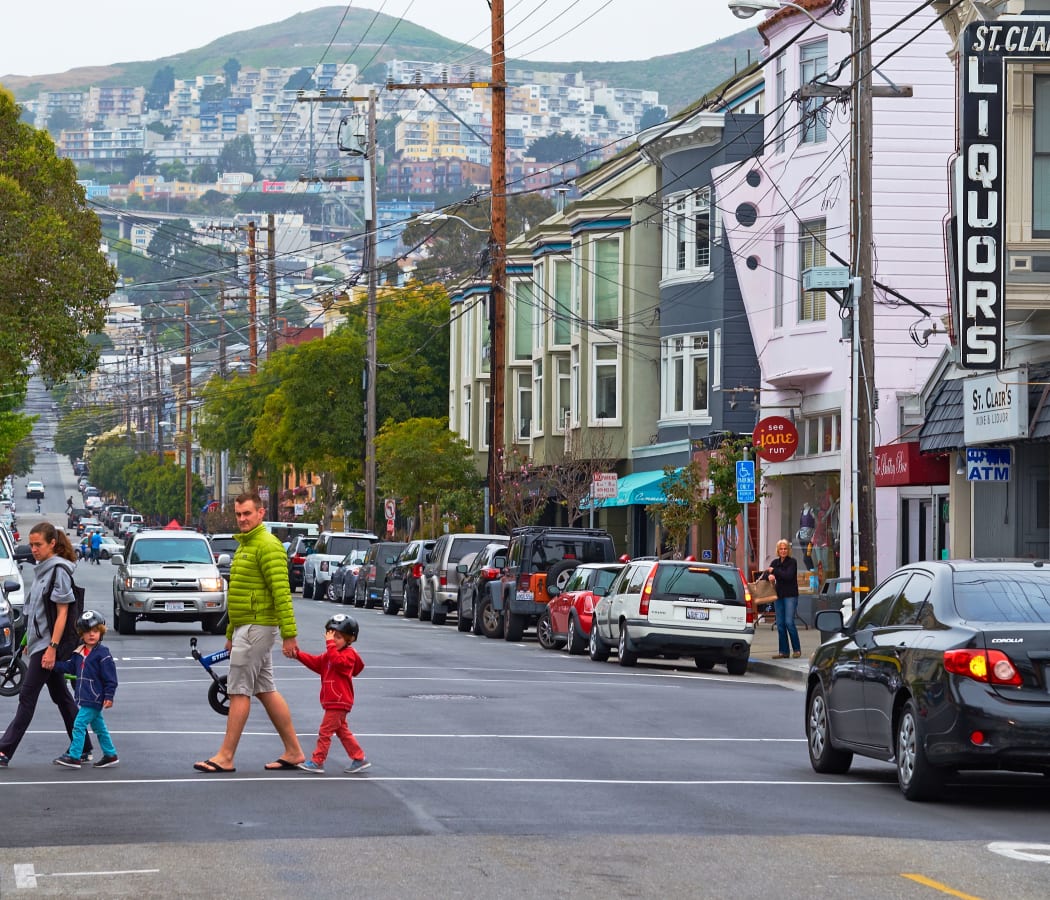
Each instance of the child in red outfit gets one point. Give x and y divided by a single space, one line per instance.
337 667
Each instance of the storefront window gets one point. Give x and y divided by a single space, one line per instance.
811 521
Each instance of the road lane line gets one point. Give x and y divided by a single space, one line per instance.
213 779
937 886
25 877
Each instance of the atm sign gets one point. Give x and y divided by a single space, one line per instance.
775 439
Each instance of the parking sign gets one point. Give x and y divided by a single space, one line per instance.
745 481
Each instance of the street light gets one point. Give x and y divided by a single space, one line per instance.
441 217
745 9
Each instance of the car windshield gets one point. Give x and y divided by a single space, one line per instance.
462 546
340 545
991 596
169 550
698 581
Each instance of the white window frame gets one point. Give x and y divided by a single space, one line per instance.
523 407
812 62
486 406
560 306
562 379
593 305
577 287
541 307
596 365
678 356
537 397
467 424
574 386
778 278
524 316
682 258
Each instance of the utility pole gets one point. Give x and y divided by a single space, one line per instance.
158 394
371 221
865 396
188 423
253 308
498 246
271 289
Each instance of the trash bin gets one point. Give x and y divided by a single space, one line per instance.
833 593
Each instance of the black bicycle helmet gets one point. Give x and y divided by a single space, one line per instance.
344 624
89 619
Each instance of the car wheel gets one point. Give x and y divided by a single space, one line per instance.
308 589
704 664
513 626
462 622
424 614
558 574
918 779
438 618
389 608
596 647
363 598
125 622
737 665
628 657
329 593
411 603
214 623
822 755
475 616
491 619
576 642
545 633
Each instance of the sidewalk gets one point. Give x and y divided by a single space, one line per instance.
764 646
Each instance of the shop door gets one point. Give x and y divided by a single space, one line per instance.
918 530
1035 513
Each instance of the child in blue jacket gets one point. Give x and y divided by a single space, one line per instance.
96 675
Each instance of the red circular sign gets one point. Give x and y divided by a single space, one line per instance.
775 439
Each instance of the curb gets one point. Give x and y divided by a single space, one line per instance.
780 672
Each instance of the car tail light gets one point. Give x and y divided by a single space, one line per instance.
588 603
442 580
749 603
988 666
490 574
417 570
647 591
298 560
523 582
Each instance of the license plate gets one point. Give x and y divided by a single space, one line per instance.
174 606
523 595
702 614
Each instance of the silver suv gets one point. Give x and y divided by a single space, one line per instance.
676 607
327 553
169 576
440 585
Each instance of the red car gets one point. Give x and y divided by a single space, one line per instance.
567 621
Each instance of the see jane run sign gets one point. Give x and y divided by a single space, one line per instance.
775 439
986 49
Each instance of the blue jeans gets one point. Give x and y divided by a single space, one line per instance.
89 715
785 610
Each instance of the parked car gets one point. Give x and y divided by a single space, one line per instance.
110 545
673 607
10 572
223 545
34 490
74 516
440 583
298 549
111 512
474 579
94 504
378 560
124 522
89 525
330 548
402 585
168 576
942 668
343 581
567 622
539 555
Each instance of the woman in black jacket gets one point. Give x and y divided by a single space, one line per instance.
783 572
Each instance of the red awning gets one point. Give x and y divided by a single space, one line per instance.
900 465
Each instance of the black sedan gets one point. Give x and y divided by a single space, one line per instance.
402 585
945 667
475 575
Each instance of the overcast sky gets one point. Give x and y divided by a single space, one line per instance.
63 34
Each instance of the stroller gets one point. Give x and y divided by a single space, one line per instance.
12 640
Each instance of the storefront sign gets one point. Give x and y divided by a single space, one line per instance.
988 464
900 465
995 407
775 439
985 50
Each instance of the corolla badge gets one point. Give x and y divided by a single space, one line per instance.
1007 640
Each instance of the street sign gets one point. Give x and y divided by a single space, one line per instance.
745 481
389 526
603 487
390 507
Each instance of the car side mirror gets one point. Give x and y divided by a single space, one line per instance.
224 559
10 586
23 554
461 569
829 621
553 590
117 559
500 562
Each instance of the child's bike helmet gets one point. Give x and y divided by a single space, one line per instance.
344 624
89 619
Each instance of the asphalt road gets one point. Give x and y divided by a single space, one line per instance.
499 770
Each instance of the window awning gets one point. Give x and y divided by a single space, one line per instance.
639 488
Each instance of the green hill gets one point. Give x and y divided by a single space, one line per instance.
367 38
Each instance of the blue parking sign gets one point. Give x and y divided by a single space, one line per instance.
745 481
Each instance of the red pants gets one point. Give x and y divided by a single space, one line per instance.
334 722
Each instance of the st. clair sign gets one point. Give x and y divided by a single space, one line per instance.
986 49
775 439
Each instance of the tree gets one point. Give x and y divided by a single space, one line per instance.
165 131
158 489
654 115
561 146
588 451
303 80
238 155
205 173
423 463
80 424
109 464
524 491
160 88
176 170
54 280
137 163
215 92
61 120
232 70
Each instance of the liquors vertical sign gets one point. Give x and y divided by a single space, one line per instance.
986 49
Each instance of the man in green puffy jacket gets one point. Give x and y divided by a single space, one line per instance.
260 604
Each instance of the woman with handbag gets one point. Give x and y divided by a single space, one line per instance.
783 572
47 608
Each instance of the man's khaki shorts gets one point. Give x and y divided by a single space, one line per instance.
251 660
